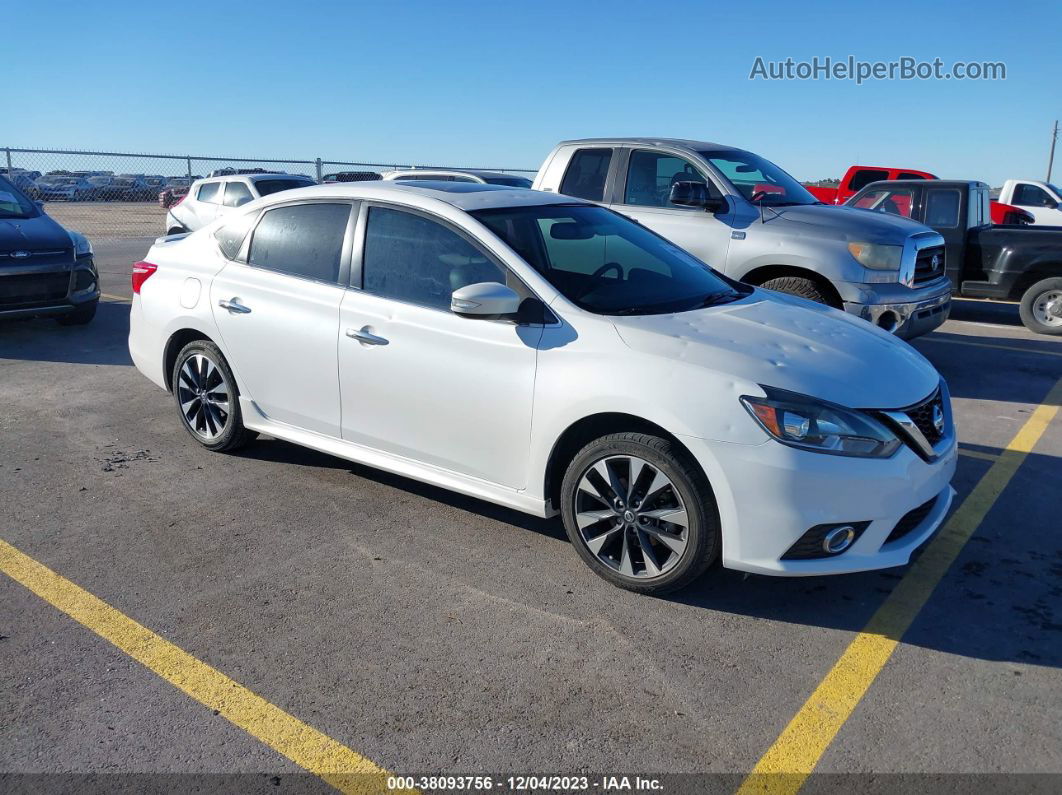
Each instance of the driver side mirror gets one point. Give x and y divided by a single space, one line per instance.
695 194
484 300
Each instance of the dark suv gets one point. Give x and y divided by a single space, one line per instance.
44 269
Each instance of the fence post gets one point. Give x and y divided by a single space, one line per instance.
189 159
319 175
8 150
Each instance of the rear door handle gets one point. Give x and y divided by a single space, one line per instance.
234 305
365 336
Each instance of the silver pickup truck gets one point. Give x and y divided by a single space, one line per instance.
748 218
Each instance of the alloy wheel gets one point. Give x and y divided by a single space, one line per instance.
631 516
204 393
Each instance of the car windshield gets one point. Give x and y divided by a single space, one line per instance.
13 204
606 263
758 180
267 186
512 182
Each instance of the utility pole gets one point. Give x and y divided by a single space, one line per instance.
1051 158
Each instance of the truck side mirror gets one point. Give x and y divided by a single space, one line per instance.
695 194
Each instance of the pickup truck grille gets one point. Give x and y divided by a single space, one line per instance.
929 264
33 289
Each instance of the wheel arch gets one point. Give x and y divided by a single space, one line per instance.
174 344
764 273
1042 271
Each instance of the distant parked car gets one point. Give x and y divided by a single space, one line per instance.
127 188
75 189
459 175
175 189
44 269
212 198
351 176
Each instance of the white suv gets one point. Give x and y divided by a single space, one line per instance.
552 356
210 199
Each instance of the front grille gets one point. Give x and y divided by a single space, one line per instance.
922 416
37 256
32 289
910 521
925 270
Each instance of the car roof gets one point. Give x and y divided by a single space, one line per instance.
935 183
463 195
685 143
474 172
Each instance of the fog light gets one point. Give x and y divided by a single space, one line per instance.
838 539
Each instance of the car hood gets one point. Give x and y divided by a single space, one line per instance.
852 223
788 343
32 234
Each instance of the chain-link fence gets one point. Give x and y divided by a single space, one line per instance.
117 195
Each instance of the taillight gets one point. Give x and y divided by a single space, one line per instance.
180 199
141 272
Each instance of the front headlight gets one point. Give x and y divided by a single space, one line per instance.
800 421
877 256
82 246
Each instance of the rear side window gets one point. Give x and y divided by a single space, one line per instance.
208 192
267 186
417 260
585 177
303 239
942 208
909 175
865 176
230 236
236 194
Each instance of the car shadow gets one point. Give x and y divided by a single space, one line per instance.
103 341
975 311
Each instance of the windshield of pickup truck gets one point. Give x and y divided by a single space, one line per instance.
607 264
13 204
758 180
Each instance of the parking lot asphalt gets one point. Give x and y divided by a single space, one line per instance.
433 633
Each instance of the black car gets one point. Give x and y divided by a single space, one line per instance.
44 269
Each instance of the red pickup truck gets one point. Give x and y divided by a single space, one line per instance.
858 177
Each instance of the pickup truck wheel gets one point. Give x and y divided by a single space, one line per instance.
1041 307
799 286
640 512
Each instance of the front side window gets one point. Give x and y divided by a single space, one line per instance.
606 263
302 239
1032 196
268 186
894 201
231 234
236 194
758 180
865 176
208 192
585 177
942 208
650 176
414 259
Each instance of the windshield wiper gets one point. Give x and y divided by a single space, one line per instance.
721 297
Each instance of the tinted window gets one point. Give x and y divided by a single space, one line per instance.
606 263
1032 196
865 176
909 175
650 176
942 208
236 193
414 259
208 192
585 177
267 186
512 182
303 239
895 201
230 236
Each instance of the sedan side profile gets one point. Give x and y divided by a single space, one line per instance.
550 355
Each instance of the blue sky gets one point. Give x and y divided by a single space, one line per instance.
498 83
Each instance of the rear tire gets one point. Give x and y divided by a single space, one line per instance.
80 316
207 398
800 286
1039 304
640 513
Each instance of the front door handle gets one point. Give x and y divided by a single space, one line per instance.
234 305
364 335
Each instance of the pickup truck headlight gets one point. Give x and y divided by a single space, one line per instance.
809 424
877 256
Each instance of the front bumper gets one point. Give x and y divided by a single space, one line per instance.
41 289
769 495
903 311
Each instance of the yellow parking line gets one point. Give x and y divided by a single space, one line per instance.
931 338
800 746
115 298
318 753
979 454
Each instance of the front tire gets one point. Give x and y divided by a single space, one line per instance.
80 316
1041 307
208 401
640 513
799 286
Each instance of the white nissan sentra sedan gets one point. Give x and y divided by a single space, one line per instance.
552 356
